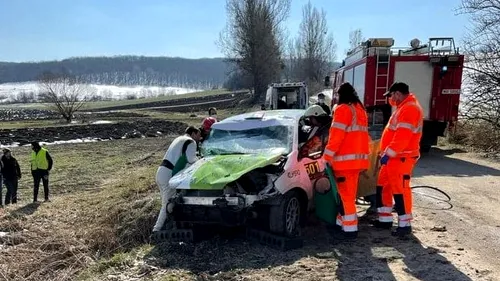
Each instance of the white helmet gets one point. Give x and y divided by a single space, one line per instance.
314 110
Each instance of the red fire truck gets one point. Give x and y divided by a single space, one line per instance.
433 72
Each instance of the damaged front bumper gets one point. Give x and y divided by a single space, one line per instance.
226 207
224 210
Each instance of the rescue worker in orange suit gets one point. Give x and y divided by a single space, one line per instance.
400 150
347 152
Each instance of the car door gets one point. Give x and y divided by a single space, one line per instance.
310 159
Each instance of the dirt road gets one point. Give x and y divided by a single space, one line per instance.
472 238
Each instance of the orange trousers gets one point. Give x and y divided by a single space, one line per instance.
394 183
347 185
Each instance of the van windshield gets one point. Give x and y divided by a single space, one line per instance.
266 140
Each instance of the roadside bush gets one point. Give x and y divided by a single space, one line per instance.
477 135
131 96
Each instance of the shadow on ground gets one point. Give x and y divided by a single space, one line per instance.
437 163
25 210
376 255
379 256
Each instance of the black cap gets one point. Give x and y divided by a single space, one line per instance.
398 87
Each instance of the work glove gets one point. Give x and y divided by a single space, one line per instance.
384 159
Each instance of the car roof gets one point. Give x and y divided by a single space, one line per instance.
268 114
261 119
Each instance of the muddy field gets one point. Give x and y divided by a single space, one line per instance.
27 114
227 100
116 130
7 115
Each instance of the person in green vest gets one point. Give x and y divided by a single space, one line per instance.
180 153
41 164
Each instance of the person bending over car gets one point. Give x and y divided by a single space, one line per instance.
348 152
318 124
180 153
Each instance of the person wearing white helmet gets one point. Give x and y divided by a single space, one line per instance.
318 123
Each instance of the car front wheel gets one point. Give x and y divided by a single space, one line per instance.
285 218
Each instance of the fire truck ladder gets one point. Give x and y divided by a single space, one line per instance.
383 57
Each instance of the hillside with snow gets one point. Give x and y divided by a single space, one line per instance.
202 73
28 92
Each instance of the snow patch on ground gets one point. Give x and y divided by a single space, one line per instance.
8 91
102 122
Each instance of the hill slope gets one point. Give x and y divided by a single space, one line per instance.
126 70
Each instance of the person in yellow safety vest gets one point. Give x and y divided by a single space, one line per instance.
41 164
180 153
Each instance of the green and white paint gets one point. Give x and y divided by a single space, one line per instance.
214 172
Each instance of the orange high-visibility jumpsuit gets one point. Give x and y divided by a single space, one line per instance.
347 152
401 142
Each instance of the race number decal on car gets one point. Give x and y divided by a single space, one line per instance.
313 170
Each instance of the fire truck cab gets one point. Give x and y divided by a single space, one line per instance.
433 72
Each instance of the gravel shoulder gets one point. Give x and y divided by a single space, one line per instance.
472 236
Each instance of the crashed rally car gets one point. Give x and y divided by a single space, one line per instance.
253 171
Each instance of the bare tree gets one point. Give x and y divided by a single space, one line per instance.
64 93
316 47
481 98
355 38
253 39
291 71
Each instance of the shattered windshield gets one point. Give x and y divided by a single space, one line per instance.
267 140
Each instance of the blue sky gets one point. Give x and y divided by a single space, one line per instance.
34 30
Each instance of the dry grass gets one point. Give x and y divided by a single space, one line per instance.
109 205
478 136
29 124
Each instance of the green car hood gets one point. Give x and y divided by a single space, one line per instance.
214 172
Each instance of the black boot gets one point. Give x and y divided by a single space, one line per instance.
345 236
332 229
381 225
402 232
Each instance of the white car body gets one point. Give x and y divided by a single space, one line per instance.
297 172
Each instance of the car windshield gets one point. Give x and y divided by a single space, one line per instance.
266 140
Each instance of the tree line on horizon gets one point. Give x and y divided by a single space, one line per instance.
205 73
